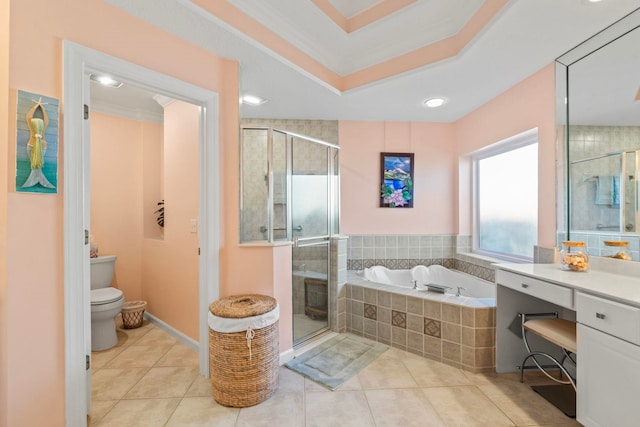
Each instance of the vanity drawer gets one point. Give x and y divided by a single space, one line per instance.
546 291
619 320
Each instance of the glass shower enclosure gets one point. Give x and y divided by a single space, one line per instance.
289 189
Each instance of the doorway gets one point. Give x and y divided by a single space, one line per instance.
152 141
79 62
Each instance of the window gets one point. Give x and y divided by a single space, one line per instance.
506 198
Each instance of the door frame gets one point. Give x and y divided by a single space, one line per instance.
78 61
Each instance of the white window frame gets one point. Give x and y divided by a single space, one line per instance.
508 144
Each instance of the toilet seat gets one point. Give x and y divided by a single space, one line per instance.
105 296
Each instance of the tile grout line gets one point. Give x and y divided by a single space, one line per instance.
183 395
98 422
497 407
304 401
431 404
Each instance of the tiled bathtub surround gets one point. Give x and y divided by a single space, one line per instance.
407 251
367 248
338 290
429 325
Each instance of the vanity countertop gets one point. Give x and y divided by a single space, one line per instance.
619 287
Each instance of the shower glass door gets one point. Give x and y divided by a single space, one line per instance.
312 217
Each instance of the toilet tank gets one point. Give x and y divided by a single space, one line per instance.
102 269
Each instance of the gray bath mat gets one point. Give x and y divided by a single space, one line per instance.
335 361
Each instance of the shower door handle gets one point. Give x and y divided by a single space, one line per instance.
309 241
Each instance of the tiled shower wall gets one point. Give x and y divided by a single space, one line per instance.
590 141
326 130
254 188
307 262
595 242
311 158
406 251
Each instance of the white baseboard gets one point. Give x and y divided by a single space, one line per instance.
286 356
172 331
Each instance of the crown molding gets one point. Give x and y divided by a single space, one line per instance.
127 112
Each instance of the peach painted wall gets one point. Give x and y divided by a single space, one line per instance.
267 271
36 221
162 271
443 175
527 105
116 203
152 177
34 285
4 133
36 65
282 291
170 265
250 269
434 177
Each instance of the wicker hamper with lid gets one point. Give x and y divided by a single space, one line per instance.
243 349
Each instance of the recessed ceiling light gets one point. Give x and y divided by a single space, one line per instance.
252 100
105 80
434 102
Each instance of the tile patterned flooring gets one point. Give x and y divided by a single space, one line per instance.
151 379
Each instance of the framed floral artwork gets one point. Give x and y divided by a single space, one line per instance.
396 178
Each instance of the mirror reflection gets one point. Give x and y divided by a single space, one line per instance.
602 138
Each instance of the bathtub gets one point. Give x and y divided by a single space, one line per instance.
382 305
422 276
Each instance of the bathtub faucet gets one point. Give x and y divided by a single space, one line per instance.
415 284
460 288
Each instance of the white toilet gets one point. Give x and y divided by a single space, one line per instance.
106 303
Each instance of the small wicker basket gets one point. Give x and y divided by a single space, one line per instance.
244 364
133 314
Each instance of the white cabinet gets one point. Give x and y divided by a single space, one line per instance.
607 309
560 295
620 320
518 293
608 366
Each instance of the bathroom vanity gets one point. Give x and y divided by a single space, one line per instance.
606 307
594 150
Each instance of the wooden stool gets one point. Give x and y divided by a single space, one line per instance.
560 332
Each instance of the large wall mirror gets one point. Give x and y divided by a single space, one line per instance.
598 95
